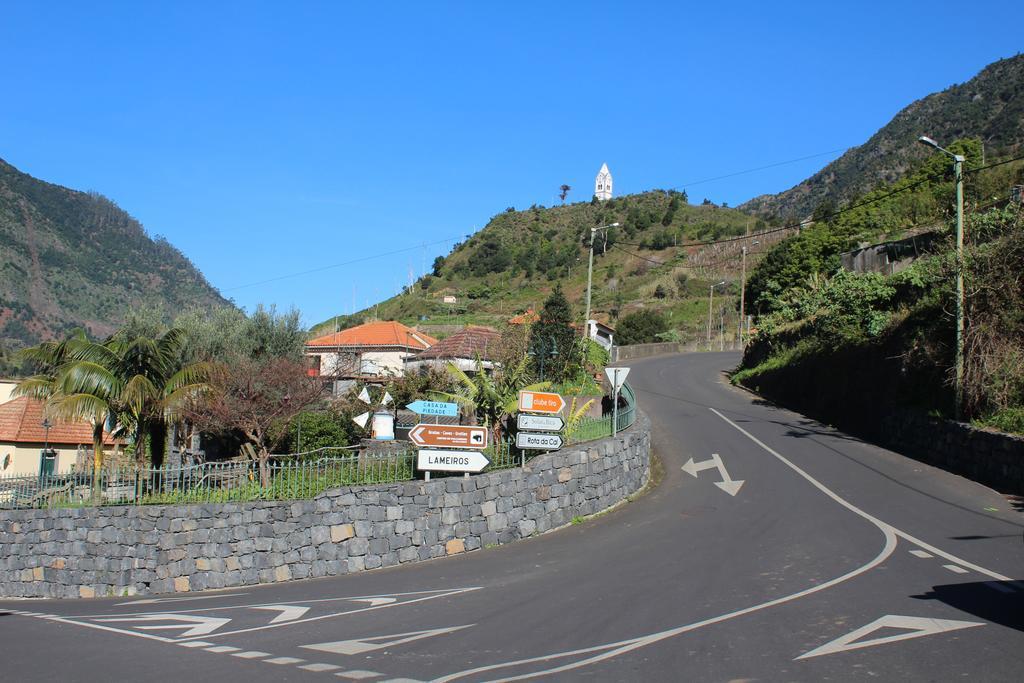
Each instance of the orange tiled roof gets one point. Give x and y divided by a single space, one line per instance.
21 422
526 318
379 333
468 342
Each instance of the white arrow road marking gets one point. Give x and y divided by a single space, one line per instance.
730 486
152 601
203 625
287 612
374 602
918 626
360 645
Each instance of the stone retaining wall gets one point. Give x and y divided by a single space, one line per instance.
89 552
991 458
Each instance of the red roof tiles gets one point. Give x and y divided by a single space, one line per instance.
466 343
379 333
21 422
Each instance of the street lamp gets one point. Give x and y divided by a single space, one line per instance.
590 275
711 296
743 291
46 424
542 351
958 172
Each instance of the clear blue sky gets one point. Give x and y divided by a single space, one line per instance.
268 139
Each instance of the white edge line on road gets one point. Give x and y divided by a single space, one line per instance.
874 520
887 530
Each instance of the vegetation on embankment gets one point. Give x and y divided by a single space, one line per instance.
847 347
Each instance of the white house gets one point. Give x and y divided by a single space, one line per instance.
600 333
372 351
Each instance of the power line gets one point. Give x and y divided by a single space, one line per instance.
826 217
759 168
343 263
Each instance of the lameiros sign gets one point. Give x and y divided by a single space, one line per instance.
451 461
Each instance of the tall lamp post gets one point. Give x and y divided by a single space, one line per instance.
46 424
543 352
590 275
958 172
711 296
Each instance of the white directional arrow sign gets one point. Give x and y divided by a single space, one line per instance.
730 486
287 612
915 627
193 625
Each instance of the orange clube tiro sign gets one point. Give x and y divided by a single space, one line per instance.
540 402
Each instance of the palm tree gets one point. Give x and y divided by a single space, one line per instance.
135 381
152 384
59 382
492 398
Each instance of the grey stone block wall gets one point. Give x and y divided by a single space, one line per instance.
91 552
991 458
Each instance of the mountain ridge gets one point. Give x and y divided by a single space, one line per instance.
75 259
989 107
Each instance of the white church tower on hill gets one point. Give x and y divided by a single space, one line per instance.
603 183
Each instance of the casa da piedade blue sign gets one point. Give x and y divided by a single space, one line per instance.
439 408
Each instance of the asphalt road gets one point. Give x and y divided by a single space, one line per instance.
832 560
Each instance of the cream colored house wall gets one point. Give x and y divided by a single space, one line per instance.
6 387
25 458
370 363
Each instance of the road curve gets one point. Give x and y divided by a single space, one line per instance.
773 548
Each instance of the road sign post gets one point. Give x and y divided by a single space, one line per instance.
542 423
451 461
617 376
543 442
448 436
540 402
439 408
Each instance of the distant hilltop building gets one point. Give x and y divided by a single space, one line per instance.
603 183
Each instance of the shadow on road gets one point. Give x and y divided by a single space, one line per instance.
997 602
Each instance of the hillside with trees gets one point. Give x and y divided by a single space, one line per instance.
72 259
661 259
989 108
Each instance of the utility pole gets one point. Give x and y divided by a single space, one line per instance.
743 291
958 172
721 328
711 296
590 276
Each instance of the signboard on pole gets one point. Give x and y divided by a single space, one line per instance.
544 442
451 461
540 402
544 423
617 376
448 436
440 408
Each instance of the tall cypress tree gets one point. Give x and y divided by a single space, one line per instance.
552 337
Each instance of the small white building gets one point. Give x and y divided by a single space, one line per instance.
373 351
600 333
603 184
